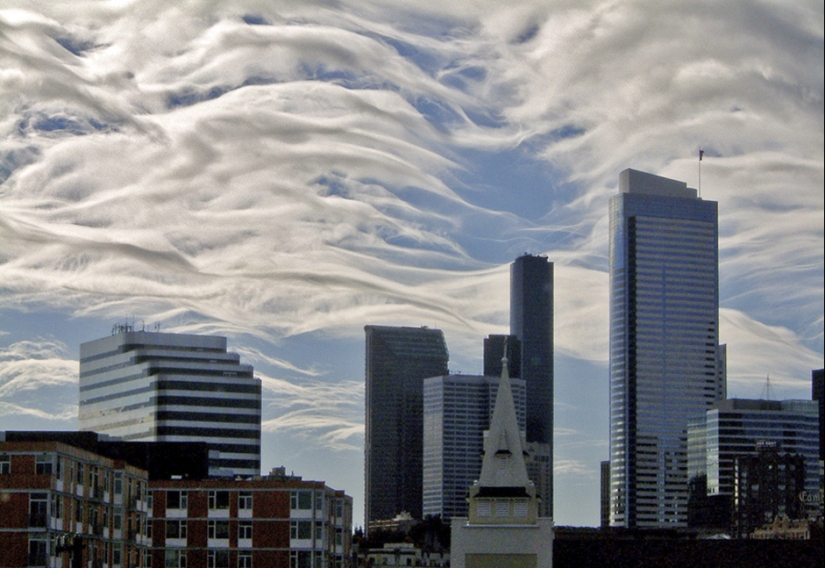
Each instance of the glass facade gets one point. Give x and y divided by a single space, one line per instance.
398 359
166 387
664 343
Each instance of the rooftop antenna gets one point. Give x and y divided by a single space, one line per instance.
701 154
767 391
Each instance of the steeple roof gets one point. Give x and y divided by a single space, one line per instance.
503 464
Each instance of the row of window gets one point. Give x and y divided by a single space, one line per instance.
221 559
218 499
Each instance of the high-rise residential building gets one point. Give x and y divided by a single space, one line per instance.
398 359
664 342
169 387
457 411
531 322
734 429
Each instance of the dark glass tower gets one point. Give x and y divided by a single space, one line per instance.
398 359
664 342
531 322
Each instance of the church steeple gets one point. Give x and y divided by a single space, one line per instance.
503 464
503 493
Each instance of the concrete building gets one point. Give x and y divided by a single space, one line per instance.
273 521
503 528
531 322
457 411
666 364
146 386
398 359
51 491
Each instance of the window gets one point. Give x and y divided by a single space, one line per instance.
38 552
300 500
149 529
177 500
43 465
118 484
38 510
245 500
80 474
244 560
175 558
219 499
147 559
301 530
175 529
218 529
57 506
118 521
245 530
218 559
5 464
300 559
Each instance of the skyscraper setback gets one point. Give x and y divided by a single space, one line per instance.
531 322
665 358
398 359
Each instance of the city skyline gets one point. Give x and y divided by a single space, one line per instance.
285 174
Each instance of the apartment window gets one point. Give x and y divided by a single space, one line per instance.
300 559
301 530
244 560
5 464
175 529
147 559
80 474
38 552
57 507
116 557
177 500
218 559
78 511
118 521
319 500
219 499
149 529
38 510
218 529
175 558
150 496
300 500
245 530
118 484
43 465
245 500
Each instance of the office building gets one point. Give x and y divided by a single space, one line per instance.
457 411
736 429
494 346
767 487
158 387
398 359
53 492
503 526
818 394
665 357
531 322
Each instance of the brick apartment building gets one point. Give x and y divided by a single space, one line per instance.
276 521
52 489
125 518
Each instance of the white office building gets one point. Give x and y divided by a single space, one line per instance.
166 387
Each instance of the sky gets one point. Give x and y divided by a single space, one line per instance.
285 172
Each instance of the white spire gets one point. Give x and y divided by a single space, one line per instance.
503 464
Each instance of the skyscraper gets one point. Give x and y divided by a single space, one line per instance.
168 387
398 359
664 342
531 322
457 411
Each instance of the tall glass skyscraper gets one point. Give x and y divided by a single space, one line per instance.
398 359
666 364
171 387
531 322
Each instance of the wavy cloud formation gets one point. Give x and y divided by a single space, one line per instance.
284 171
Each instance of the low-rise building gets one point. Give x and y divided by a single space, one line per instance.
51 492
265 522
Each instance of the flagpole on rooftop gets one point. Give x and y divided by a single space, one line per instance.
701 153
